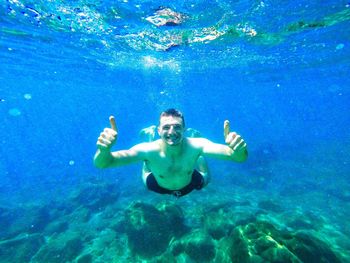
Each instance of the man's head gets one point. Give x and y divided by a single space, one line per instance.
171 126
173 113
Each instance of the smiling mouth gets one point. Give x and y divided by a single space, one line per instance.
172 138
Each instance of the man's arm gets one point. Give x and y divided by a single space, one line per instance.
224 152
104 158
236 148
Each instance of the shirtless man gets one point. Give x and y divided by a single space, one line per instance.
172 164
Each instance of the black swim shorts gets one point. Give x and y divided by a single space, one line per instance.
197 183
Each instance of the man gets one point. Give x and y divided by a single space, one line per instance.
172 164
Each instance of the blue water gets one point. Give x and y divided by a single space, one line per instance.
278 70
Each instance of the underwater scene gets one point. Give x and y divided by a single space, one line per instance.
277 70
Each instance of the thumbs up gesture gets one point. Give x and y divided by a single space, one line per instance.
108 137
232 139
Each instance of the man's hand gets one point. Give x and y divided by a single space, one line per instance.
108 137
233 140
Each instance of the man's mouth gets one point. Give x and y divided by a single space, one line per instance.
172 138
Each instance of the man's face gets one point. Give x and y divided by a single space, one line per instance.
171 130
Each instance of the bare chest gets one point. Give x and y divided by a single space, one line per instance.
173 166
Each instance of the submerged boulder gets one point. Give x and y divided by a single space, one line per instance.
234 248
270 206
198 245
149 229
175 217
20 248
61 248
96 196
26 219
311 249
262 242
218 224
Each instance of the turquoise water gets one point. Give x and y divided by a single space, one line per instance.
278 70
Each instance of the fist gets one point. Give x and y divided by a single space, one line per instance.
108 137
232 139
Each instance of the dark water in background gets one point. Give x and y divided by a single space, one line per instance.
67 66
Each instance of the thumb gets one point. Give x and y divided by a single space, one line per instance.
113 124
226 128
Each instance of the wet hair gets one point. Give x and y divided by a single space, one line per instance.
174 113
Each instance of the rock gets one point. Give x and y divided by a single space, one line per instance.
175 217
20 248
96 196
310 249
150 230
87 258
234 248
217 224
269 205
56 227
199 246
40 219
28 219
262 242
62 248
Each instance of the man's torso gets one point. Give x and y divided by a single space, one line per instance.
173 172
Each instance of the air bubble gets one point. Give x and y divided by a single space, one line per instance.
27 96
340 46
14 112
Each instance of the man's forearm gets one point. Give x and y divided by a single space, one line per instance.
103 159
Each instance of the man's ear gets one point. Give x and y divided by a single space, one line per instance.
158 129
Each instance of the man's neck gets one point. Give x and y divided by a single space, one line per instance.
173 150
